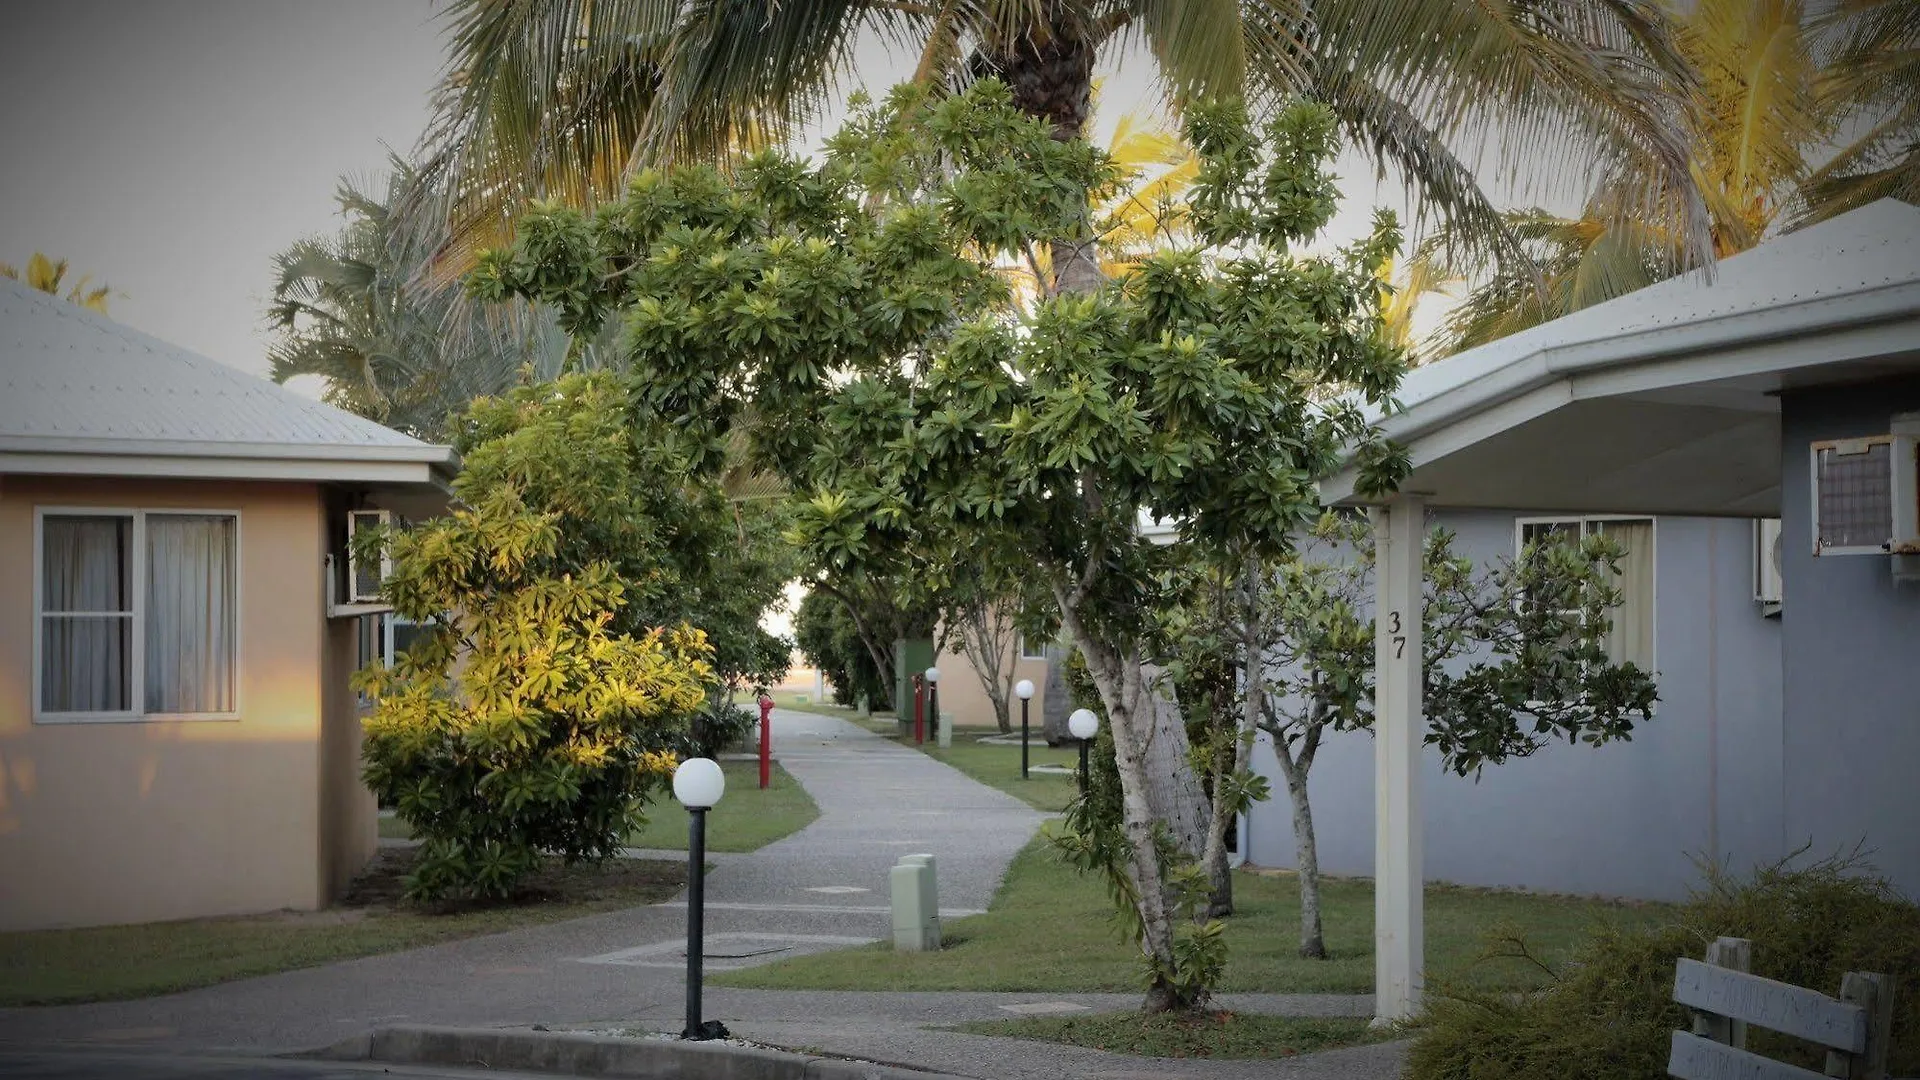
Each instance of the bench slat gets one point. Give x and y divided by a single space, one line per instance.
1695 1058
1790 1010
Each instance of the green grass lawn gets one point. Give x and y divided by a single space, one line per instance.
995 766
48 967
793 699
747 818
1215 1035
1050 929
999 766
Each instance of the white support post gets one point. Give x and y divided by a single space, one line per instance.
1399 726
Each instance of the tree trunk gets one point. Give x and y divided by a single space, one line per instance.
1130 710
1056 698
988 643
1049 72
1253 652
1173 786
1307 864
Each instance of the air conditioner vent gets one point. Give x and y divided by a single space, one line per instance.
1768 584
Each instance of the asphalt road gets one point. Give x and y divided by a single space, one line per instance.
111 1065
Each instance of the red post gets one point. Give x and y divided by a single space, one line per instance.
766 740
919 711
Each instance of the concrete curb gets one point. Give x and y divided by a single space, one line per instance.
582 1054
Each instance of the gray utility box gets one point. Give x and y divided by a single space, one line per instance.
946 729
916 905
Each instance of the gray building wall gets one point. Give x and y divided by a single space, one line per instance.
1701 779
1852 656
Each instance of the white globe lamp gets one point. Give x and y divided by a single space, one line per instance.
698 783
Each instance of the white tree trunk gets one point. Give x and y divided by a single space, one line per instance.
1173 785
987 643
1253 698
1307 863
1130 711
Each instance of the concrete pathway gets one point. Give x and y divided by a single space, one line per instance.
823 887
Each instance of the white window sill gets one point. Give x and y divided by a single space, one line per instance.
135 718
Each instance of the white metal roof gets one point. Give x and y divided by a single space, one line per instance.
1684 369
80 393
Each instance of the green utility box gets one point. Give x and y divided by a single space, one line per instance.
911 656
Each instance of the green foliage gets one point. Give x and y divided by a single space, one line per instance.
830 640
850 316
526 721
346 307
1514 655
1608 1013
682 552
1220 1036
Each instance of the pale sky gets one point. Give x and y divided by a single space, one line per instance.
170 147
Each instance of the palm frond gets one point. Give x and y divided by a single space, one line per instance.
1601 81
1871 85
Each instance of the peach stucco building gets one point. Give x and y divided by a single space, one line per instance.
177 733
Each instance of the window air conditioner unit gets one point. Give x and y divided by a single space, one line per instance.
1768 587
1865 499
357 591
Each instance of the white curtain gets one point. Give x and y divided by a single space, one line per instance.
190 614
1631 637
85 659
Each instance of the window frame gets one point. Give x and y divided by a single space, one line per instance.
1586 521
1020 652
137 644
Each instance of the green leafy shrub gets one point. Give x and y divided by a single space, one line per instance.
523 721
1608 1013
718 729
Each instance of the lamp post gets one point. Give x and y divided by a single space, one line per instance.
933 701
1083 725
698 783
1024 691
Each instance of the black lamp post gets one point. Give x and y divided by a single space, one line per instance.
698 783
1083 725
1024 691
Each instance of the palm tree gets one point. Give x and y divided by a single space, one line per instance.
47 275
1874 79
1767 106
560 99
408 358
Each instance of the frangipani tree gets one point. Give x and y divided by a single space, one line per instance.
855 305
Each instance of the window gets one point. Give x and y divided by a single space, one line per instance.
383 637
1630 639
1030 651
136 614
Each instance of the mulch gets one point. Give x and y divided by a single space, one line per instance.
383 883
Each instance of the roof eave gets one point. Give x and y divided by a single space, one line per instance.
1552 363
416 471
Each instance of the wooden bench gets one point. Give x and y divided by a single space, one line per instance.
1725 999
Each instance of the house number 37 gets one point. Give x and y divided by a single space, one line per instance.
1399 639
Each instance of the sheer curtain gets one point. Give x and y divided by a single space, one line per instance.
1631 637
190 614
85 659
